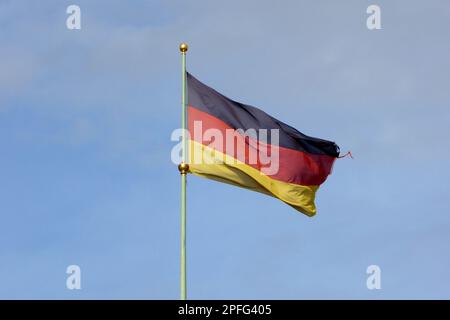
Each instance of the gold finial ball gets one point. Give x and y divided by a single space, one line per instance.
183 168
184 47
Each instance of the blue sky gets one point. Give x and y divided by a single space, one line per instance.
85 170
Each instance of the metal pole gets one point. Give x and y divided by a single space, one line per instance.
183 168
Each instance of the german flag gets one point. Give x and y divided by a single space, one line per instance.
242 145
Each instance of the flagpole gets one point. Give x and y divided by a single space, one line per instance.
183 168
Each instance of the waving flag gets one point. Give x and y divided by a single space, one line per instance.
242 145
